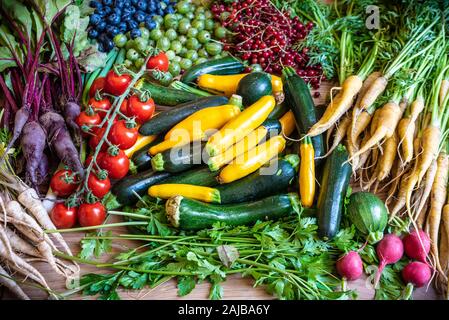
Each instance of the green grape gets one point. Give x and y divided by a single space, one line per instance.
209 24
192 33
132 54
174 68
176 46
199 10
204 36
166 79
140 44
191 54
144 33
127 63
156 34
183 7
151 43
185 64
158 19
208 14
163 44
184 26
120 40
256 67
190 15
220 32
170 54
200 60
139 62
200 16
183 52
129 44
224 53
171 34
203 53
182 39
198 24
170 21
213 48
177 59
192 43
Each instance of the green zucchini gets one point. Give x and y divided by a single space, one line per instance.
222 66
279 111
126 189
334 185
261 183
199 177
369 215
165 120
179 159
254 86
300 101
141 158
165 96
273 127
189 214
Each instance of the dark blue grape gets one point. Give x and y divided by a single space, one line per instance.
126 17
132 9
107 10
169 9
152 7
94 19
166 1
100 12
101 25
100 47
150 24
141 5
132 24
135 33
103 37
139 16
134 2
92 33
114 19
160 12
123 27
113 31
107 2
108 45
117 11
95 4
119 4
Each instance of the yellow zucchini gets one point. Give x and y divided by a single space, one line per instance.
288 123
227 84
195 126
307 172
166 191
141 141
252 160
240 126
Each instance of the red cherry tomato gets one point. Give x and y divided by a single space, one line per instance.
95 140
63 183
89 159
159 61
124 107
142 110
100 106
86 119
97 85
62 216
116 84
99 187
117 166
122 136
91 214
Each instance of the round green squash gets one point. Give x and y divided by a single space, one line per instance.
254 86
369 215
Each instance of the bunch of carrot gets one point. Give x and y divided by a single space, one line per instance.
22 236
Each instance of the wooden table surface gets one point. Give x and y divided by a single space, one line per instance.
235 286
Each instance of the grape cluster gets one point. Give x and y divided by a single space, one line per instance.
113 17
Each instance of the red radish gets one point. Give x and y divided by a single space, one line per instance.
417 273
389 251
417 245
350 266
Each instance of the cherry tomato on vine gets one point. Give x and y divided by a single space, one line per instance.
124 107
87 118
122 135
100 105
89 159
159 62
91 214
117 84
63 183
62 216
99 187
97 85
142 110
117 166
95 140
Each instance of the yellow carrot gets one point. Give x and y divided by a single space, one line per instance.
406 131
430 178
430 143
252 160
387 158
288 123
338 106
444 89
373 92
236 129
307 173
340 132
166 191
